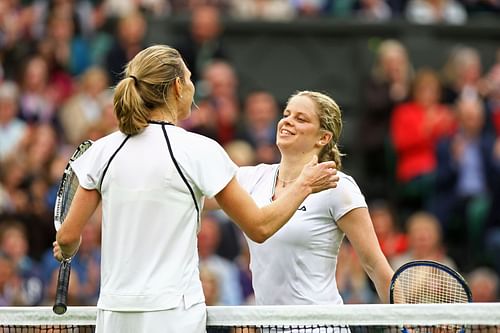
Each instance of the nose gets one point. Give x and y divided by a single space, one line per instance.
286 121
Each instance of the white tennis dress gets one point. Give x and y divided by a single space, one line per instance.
297 265
149 219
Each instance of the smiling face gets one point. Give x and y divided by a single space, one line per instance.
299 130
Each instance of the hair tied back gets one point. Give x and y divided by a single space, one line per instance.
135 79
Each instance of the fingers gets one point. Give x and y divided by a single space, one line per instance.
327 176
329 164
56 250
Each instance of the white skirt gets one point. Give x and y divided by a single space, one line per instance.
177 320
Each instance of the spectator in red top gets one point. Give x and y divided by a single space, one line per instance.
392 240
416 126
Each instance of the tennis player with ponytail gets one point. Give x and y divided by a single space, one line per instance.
152 177
297 265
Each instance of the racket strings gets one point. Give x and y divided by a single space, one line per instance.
69 185
427 284
67 195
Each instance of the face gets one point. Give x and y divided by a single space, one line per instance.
187 94
299 129
423 235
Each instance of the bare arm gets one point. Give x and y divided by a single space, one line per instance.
261 223
82 207
358 228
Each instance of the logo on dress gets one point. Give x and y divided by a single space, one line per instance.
303 208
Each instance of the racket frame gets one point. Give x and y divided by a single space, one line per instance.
60 303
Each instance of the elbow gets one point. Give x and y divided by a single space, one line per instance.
260 234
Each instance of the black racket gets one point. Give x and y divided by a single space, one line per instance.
65 194
424 281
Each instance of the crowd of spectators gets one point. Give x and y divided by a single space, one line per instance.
432 148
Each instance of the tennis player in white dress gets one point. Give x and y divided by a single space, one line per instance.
297 265
152 178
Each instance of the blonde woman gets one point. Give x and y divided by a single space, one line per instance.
297 265
152 177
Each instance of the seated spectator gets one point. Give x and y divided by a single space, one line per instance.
219 103
130 39
269 10
241 152
467 171
373 11
62 44
203 43
353 283
39 94
462 75
392 240
14 243
311 8
435 11
260 116
425 241
13 173
484 284
225 270
12 129
84 108
386 84
492 95
11 293
416 127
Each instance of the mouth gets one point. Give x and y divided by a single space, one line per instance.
285 132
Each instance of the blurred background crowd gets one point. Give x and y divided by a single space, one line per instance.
428 140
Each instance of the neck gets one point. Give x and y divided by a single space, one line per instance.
157 115
289 171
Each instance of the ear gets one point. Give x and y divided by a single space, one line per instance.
325 138
178 87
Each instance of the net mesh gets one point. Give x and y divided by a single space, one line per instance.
428 284
370 318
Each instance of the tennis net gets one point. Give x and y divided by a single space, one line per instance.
369 318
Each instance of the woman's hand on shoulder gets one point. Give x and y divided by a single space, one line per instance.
319 176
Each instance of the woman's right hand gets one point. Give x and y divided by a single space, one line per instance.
319 176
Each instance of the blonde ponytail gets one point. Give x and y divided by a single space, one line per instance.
146 86
130 109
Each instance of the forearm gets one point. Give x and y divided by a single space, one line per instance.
84 204
381 273
260 223
280 211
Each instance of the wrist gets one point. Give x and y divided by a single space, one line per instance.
66 257
303 186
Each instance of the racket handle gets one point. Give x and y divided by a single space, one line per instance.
60 305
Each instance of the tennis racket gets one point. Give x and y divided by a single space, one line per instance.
65 194
424 281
